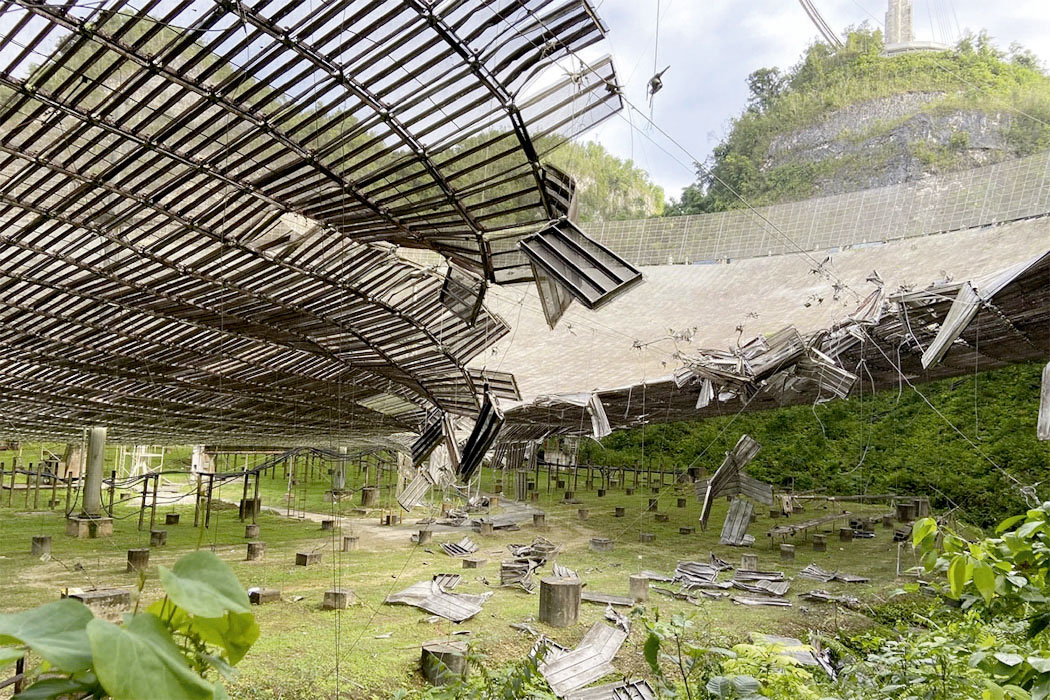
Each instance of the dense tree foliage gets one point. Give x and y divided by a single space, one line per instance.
975 76
608 187
891 441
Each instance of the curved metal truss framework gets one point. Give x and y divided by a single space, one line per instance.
199 203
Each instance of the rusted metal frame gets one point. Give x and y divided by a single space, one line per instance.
116 280
8 40
140 404
163 210
48 12
496 88
149 341
232 183
263 394
364 94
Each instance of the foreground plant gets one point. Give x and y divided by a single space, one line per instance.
174 650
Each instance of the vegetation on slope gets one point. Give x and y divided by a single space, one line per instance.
609 188
889 442
975 77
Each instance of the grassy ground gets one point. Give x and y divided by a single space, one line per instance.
375 647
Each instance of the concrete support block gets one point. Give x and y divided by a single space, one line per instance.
560 601
349 543
443 662
158 538
307 558
787 552
171 518
251 531
601 544
639 587
138 559
256 551
336 599
41 545
259 596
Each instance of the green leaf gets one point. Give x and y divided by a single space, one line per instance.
9 655
55 631
202 584
236 632
957 575
1008 659
1029 528
1039 663
720 687
923 529
1009 523
651 650
984 579
746 685
51 688
140 661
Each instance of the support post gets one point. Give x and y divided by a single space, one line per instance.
92 487
560 601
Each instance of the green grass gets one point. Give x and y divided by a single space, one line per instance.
296 655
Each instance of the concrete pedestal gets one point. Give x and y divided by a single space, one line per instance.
84 527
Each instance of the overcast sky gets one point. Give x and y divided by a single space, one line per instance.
712 45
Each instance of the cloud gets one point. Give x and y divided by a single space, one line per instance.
713 45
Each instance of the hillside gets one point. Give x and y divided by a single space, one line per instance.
851 119
892 442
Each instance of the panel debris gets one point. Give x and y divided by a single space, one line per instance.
430 596
588 662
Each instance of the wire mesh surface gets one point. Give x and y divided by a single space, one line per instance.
197 202
1008 191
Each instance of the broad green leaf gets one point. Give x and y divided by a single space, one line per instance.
9 655
236 632
720 687
141 661
651 650
1039 663
984 579
1029 528
55 631
52 688
1009 523
923 529
746 685
202 584
957 575
1008 659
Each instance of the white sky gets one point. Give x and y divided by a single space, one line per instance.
712 45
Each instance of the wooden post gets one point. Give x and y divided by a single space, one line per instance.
244 492
112 488
14 474
36 489
639 587
142 506
207 511
560 601
256 506
29 483
54 485
153 504
69 490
